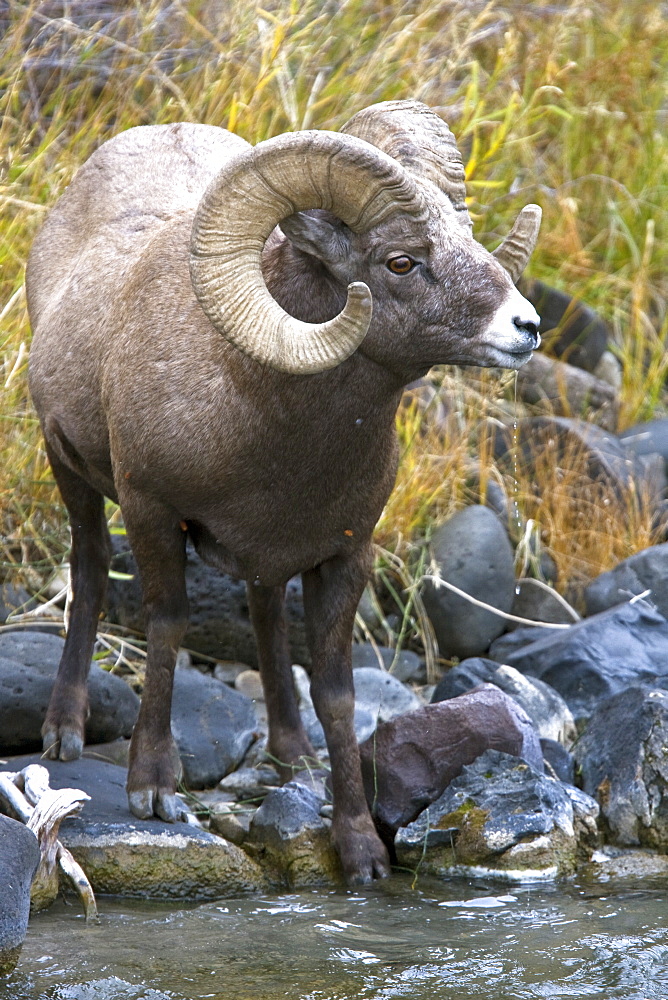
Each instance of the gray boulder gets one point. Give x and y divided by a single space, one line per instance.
536 602
19 857
472 551
501 814
595 658
28 666
646 570
410 761
213 726
364 722
622 755
288 834
126 856
547 710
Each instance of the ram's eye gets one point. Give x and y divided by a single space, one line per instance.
401 264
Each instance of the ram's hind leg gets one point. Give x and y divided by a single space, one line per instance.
288 742
64 724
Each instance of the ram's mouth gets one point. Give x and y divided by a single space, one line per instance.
498 357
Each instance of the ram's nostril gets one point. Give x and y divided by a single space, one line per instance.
528 326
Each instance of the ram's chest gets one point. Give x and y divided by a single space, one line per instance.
269 505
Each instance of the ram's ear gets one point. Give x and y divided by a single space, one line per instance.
319 234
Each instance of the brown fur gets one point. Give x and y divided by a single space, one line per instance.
141 399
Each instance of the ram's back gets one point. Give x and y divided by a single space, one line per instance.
130 200
129 188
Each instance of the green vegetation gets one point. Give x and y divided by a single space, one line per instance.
558 103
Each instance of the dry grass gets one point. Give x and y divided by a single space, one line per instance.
558 103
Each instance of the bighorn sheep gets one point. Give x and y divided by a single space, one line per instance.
228 380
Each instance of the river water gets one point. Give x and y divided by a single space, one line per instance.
444 939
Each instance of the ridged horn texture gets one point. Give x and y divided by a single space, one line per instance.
514 252
420 140
256 190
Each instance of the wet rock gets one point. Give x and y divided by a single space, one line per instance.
610 862
554 387
597 657
213 727
646 570
547 710
219 620
472 551
126 856
28 666
622 756
501 815
539 603
19 857
410 761
288 833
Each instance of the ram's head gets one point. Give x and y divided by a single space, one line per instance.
381 207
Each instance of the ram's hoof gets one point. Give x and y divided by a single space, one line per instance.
149 802
63 744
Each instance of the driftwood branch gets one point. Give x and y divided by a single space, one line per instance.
27 796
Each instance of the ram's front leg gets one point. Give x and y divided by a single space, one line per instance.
331 595
158 544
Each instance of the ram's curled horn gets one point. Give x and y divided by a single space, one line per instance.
420 140
256 190
514 252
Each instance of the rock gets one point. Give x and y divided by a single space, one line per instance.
501 815
28 666
19 857
537 602
379 696
404 665
288 833
472 551
609 862
364 721
571 329
559 761
547 710
228 671
219 620
650 438
597 657
622 756
609 369
233 826
213 727
126 856
554 387
250 782
410 761
249 683
645 570
382 695
584 448
14 599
